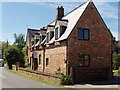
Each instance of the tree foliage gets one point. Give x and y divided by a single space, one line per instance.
19 40
13 55
116 60
24 51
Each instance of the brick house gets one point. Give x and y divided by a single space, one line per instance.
78 43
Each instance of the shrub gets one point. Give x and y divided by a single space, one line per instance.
66 80
119 70
13 55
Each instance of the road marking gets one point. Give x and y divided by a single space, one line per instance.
2 76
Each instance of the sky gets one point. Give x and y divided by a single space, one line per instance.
17 16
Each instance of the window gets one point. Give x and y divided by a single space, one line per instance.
47 61
84 60
56 33
51 34
32 42
83 34
47 37
43 37
39 59
62 30
36 40
30 60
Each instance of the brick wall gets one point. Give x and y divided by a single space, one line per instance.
40 75
99 45
86 74
56 54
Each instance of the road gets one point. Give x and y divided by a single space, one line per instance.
10 80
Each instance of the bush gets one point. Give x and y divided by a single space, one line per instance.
12 55
66 80
119 70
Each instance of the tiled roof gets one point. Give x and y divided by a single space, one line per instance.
72 18
32 32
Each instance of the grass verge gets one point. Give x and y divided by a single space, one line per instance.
55 84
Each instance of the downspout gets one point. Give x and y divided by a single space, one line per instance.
67 64
43 58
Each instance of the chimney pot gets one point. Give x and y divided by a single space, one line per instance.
60 12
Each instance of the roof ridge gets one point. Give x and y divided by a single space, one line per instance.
73 10
33 29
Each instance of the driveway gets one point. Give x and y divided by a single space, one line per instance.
113 83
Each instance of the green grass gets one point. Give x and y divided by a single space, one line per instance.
55 84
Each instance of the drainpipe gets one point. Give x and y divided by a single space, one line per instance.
43 58
67 63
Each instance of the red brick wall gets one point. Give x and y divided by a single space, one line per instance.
56 54
99 45
29 55
40 52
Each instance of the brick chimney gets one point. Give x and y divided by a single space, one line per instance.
60 12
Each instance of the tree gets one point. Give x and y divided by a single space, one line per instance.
13 55
116 60
24 51
19 40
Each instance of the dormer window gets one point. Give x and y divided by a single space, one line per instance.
51 34
47 38
62 30
42 37
32 42
56 33
36 41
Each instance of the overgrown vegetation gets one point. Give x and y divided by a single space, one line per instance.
119 70
66 80
116 63
15 52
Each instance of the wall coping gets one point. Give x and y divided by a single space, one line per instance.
41 73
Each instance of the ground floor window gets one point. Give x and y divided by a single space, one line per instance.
30 60
39 59
84 60
47 61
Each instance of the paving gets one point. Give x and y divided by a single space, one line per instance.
112 83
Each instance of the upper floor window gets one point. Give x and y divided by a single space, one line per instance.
56 33
32 42
62 30
83 34
43 37
36 41
51 34
47 40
